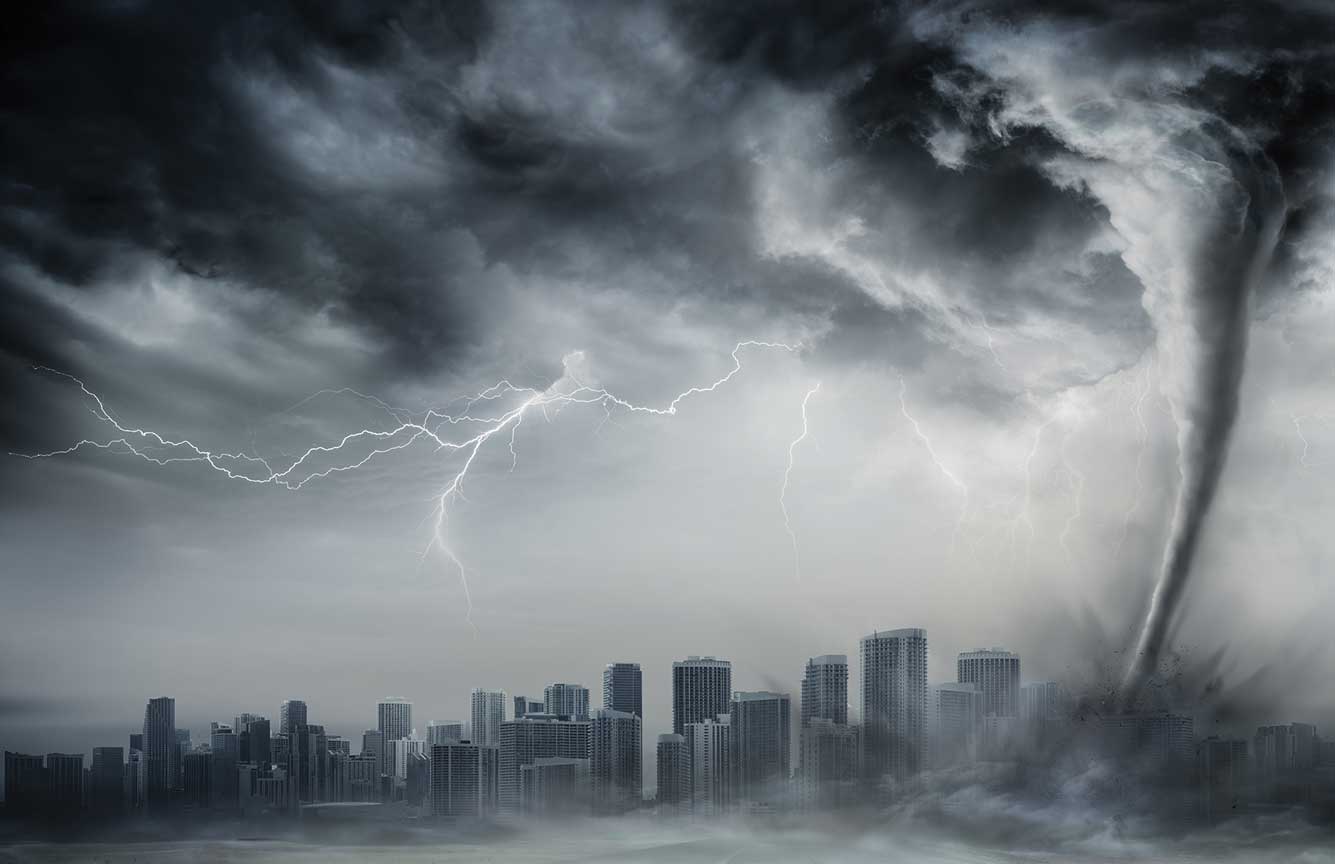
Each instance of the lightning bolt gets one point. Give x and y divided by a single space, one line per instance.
936 460
1304 458
432 427
787 474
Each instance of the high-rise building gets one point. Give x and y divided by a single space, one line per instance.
135 774
361 781
106 781
623 688
161 752
709 743
825 689
64 777
829 764
997 674
674 772
309 758
1162 738
552 786
198 786
1222 766
566 700
255 744
762 743
291 714
488 715
615 764
444 733
525 706
463 780
1285 750
396 718
1043 708
25 783
701 690
954 724
524 740
894 702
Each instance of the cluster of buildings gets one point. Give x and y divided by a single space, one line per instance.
729 751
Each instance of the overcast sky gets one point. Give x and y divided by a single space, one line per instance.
210 213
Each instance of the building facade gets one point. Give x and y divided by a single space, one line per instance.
395 718
894 703
825 689
762 745
701 690
566 700
488 715
623 688
997 674
615 761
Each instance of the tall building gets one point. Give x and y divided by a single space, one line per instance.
374 744
553 786
525 706
255 743
361 781
1222 767
225 745
161 752
64 777
762 744
829 764
396 718
463 780
106 781
1044 707
701 690
25 783
566 700
197 785
137 741
615 764
488 715
291 714
1161 738
825 689
444 733
894 702
954 724
1285 750
674 772
709 743
308 754
134 779
623 688
530 738
997 674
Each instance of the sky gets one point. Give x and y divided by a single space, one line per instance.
1025 276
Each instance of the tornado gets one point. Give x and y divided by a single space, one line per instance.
1199 242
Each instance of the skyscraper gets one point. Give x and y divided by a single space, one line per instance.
568 700
709 743
761 744
525 705
522 741
444 733
396 718
674 772
64 778
829 763
463 780
25 783
161 768
256 746
291 715
701 690
825 689
623 688
106 781
955 724
997 674
488 715
615 764
894 702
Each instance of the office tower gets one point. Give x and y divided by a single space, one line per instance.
488 715
761 742
417 780
525 706
623 688
64 778
25 783
223 741
184 743
1222 767
258 747
338 744
553 786
280 750
894 702
463 780
615 764
374 744
825 689
1161 738
566 700
710 743
197 786
701 690
396 718
524 740
829 764
444 733
361 781
106 781
308 756
997 674
137 741
674 772
954 724
135 778
1285 750
400 750
1044 708
291 714
225 745
161 767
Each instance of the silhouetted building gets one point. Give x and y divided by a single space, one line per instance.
674 772
253 735
106 781
623 688
615 765
762 745
1222 768
374 744
291 714
25 784
197 767
894 703
361 777
566 700
488 715
161 752
825 689
135 778
701 690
